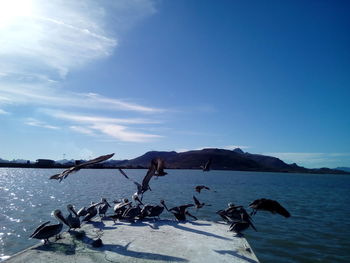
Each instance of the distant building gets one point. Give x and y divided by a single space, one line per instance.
45 162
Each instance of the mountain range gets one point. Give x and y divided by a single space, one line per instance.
221 160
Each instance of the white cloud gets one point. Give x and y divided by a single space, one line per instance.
122 133
50 95
43 41
3 112
37 123
112 127
63 35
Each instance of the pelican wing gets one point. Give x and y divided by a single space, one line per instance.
281 210
139 187
145 182
196 201
123 173
76 168
96 160
39 228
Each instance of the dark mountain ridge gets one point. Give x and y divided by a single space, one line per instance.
222 159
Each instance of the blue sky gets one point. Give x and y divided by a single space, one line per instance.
83 78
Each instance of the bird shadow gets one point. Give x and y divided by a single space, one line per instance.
179 225
235 254
123 250
67 249
101 225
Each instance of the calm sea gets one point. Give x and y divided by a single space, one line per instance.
318 231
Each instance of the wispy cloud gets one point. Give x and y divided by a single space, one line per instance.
40 94
37 123
3 112
63 35
46 41
112 127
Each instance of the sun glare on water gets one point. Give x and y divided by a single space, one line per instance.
12 10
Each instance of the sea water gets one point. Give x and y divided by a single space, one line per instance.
317 231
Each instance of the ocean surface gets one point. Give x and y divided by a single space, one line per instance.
318 231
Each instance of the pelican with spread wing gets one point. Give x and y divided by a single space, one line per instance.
77 167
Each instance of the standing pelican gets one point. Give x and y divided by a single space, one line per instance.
206 166
91 211
77 167
46 231
72 221
103 208
268 205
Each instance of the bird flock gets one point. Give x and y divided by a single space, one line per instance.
130 211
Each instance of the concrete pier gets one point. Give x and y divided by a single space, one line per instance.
150 241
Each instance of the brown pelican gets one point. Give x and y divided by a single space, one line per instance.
159 165
131 213
142 188
72 221
199 188
91 211
153 210
268 205
119 209
238 227
103 208
82 212
198 204
46 231
180 212
206 166
77 167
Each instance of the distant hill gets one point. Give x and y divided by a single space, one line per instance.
346 169
222 160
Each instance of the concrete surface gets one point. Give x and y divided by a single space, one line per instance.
151 241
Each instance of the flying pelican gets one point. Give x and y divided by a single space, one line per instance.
103 208
45 231
72 221
198 204
159 165
144 186
206 166
199 188
268 205
77 167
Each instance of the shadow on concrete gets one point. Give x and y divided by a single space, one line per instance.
124 251
67 249
101 225
235 254
179 225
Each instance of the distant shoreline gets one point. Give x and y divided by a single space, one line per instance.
101 166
